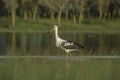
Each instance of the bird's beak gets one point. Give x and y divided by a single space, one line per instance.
50 31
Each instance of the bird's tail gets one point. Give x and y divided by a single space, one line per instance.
81 46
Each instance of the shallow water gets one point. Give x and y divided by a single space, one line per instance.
60 68
34 56
25 43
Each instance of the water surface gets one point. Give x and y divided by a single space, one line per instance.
25 43
60 69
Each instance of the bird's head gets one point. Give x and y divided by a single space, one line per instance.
54 28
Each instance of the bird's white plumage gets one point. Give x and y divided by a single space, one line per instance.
58 40
68 46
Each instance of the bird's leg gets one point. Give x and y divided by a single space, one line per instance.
67 55
70 55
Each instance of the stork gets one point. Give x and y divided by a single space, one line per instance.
67 45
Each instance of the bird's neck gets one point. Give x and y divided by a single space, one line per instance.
56 34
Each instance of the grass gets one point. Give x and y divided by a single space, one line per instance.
44 69
45 24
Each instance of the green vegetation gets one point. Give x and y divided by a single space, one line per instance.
45 69
79 14
45 24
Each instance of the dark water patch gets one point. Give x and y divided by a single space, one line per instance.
42 44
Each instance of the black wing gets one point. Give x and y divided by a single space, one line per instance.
72 45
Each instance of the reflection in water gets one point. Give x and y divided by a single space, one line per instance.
42 44
2 42
52 69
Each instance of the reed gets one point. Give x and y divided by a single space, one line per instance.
45 69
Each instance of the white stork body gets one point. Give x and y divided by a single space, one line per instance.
66 45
